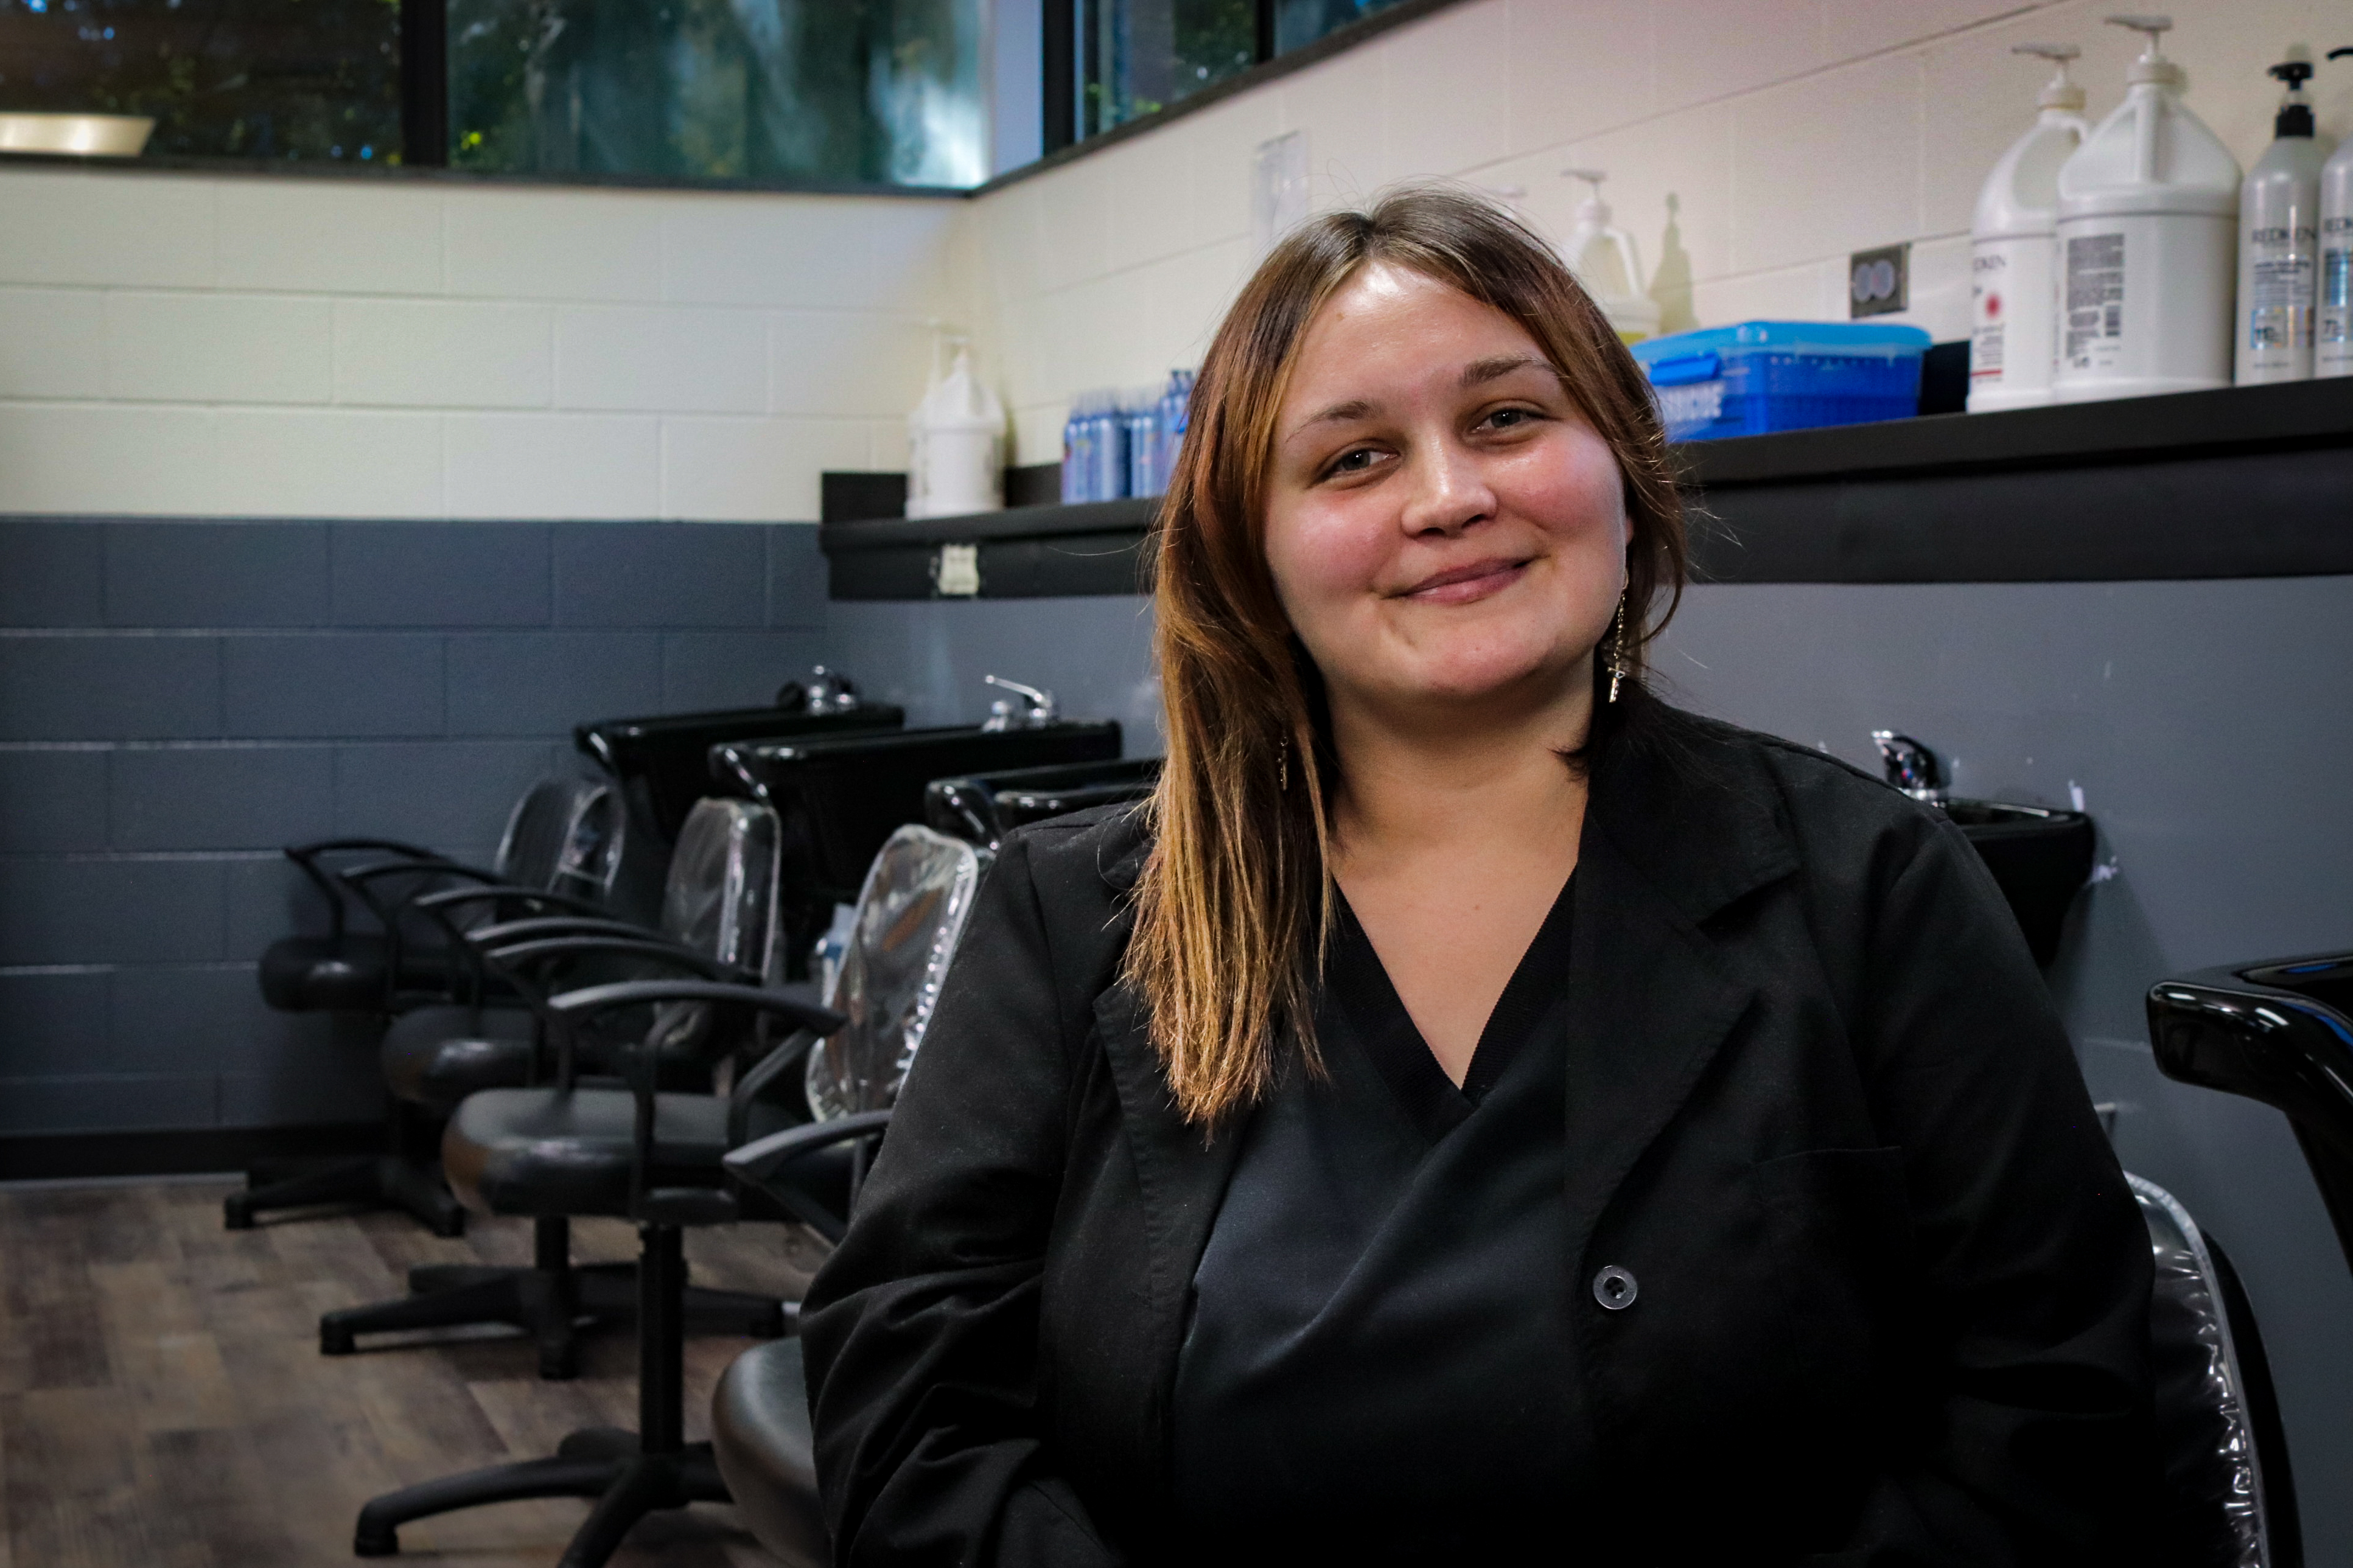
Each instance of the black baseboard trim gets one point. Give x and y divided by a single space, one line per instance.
177 1150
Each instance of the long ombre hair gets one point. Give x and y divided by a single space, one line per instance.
1235 901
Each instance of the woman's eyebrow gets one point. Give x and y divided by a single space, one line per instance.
1355 409
1479 372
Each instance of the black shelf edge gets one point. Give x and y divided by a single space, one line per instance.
1013 523
2071 434
2238 482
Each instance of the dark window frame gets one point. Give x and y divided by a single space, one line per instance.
1061 64
428 106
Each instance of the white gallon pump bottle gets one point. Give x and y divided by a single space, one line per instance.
1606 262
956 444
2149 225
2332 353
2279 242
2013 290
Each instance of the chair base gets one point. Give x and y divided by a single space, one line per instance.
381 1181
603 1463
550 1304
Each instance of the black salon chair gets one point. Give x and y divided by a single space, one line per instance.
982 808
717 913
2280 1032
560 849
2228 1498
639 1154
840 797
911 916
661 764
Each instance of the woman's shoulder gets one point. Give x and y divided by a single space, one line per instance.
1822 799
1080 867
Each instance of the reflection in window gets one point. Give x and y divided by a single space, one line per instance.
302 78
1143 54
868 90
1139 56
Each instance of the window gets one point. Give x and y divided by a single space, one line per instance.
876 91
293 79
1132 58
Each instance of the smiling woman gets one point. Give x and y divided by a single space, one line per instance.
1476 1112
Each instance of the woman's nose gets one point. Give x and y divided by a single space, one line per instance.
1448 493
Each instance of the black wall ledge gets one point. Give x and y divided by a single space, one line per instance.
2237 482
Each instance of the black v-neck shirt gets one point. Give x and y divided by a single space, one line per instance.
1378 1359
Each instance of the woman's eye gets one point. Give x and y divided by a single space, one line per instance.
1355 462
1507 418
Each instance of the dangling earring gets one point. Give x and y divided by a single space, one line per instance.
1620 665
1282 767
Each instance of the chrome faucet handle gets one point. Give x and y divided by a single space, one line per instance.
1910 766
830 691
1002 715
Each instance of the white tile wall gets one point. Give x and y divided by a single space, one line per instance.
444 353
329 462
351 348
551 465
659 358
219 348
53 343
181 344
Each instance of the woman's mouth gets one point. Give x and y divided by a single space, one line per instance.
1462 584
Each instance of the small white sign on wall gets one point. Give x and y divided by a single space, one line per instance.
1278 188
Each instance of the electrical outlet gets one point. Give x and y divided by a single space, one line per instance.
956 571
1879 282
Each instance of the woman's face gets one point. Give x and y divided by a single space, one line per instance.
1441 524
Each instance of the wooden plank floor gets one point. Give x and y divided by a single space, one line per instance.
163 1403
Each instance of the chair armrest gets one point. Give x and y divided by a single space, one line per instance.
533 928
788 1054
334 846
530 955
452 898
761 1165
587 1003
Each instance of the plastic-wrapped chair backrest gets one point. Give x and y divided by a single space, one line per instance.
563 836
911 915
2222 1509
720 897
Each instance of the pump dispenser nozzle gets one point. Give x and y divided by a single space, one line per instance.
2295 117
2152 65
2062 91
1593 206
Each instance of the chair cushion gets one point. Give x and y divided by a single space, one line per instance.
760 1434
548 1152
322 974
327 974
437 1056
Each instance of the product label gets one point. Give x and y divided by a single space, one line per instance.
1689 407
1990 308
2279 316
2095 302
2333 332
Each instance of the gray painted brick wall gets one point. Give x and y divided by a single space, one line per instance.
180 698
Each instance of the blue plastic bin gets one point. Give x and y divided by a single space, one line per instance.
1783 375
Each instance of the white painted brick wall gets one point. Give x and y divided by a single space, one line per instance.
269 346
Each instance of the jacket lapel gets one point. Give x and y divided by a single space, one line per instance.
1678 827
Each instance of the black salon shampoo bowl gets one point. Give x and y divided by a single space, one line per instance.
982 808
2040 859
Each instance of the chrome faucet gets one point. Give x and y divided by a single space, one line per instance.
1038 712
1911 766
830 691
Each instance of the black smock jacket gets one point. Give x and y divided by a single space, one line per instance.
1892 1293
